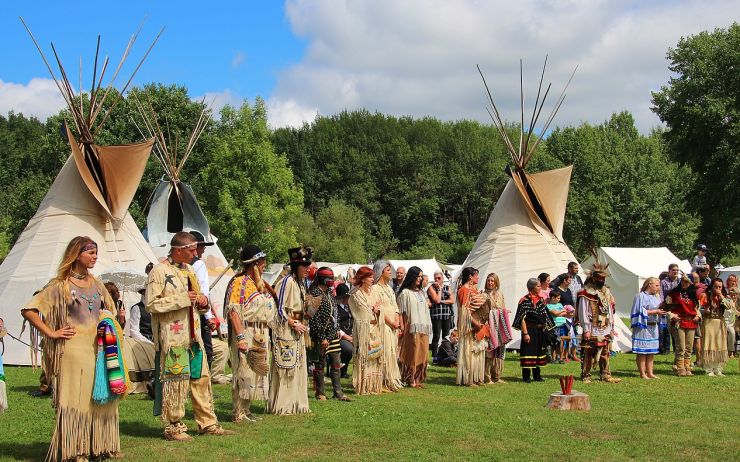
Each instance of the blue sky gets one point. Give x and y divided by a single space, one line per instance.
400 57
237 45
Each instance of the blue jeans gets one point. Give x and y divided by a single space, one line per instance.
664 339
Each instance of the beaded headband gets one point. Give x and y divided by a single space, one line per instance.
192 245
89 246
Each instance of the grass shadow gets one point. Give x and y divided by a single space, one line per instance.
24 451
139 429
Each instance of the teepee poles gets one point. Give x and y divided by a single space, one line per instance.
522 154
85 121
165 148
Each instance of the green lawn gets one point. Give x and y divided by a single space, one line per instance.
683 419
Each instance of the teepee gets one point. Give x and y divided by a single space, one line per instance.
524 233
174 206
89 197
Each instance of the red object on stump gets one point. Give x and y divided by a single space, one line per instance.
575 401
566 384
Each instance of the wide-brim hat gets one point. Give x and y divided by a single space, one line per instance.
300 255
251 253
200 239
342 290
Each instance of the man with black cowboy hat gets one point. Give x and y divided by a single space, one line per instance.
288 372
596 317
249 308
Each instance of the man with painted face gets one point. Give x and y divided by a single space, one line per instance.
324 332
596 317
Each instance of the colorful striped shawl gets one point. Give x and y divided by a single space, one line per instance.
111 378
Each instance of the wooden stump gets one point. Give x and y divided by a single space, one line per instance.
576 401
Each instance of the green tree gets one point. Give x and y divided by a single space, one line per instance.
701 107
337 233
624 190
246 189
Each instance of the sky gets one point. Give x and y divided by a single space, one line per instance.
400 57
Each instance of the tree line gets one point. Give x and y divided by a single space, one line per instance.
359 185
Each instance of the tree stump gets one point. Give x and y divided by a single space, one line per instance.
576 401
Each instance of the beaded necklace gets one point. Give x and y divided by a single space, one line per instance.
90 300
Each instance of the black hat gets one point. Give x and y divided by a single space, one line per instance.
341 290
251 253
200 239
702 247
300 255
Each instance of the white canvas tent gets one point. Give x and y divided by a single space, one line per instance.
174 206
725 272
628 269
89 197
74 206
524 233
428 266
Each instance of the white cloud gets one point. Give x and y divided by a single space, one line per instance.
418 57
288 113
39 97
238 59
218 99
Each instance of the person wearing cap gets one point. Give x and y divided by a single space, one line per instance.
288 372
324 331
390 318
346 324
700 259
596 317
140 321
208 320
175 301
249 309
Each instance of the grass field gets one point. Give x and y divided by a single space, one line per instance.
683 419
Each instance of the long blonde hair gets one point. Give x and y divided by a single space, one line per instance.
496 282
647 283
71 253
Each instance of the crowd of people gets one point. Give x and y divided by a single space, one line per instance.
691 312
310 324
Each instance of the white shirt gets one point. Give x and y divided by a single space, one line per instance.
201 272
133 324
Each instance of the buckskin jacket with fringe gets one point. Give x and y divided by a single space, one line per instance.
167 301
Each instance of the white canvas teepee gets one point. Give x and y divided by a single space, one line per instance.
629 267
89 197
524 233
168 201
174 206
74 206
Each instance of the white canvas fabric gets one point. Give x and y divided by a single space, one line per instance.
517 245
193 219
428 266
628 269
68 210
